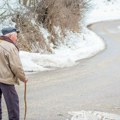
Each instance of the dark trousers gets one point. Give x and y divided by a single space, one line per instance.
11 99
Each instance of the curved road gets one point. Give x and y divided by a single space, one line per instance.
93 84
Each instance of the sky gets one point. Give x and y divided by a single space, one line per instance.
93 115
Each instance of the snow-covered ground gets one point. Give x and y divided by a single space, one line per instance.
77 46
103 10
93 115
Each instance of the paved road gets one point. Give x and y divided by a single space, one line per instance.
93 84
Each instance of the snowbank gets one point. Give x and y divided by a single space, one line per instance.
76 47
7 8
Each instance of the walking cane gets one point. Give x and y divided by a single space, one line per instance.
25 101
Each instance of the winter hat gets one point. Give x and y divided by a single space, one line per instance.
9 30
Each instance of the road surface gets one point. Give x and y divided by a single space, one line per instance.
93 84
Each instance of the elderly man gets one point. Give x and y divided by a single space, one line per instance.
11 72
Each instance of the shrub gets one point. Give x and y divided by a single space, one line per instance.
64 14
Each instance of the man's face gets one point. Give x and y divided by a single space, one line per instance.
13 37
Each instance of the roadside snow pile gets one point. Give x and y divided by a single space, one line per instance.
93 115
76 47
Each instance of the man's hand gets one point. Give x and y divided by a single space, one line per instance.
25 81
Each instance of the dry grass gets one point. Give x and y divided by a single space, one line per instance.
30 38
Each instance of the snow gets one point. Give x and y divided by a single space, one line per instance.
93 115
64 56
103 11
